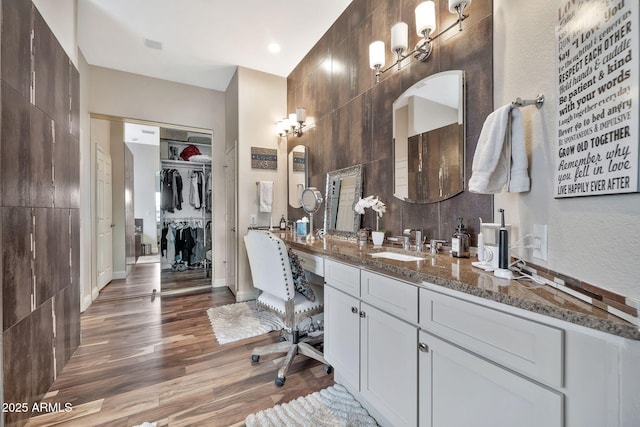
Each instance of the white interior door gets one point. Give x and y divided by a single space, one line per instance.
104 219
231 220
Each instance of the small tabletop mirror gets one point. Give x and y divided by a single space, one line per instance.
311 200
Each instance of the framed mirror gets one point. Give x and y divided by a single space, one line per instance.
298 174
429 139
344 189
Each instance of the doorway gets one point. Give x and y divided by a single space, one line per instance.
119 233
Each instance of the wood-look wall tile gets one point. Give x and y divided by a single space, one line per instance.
16 275
41 164
15 67
52 74
74 87
62 163
358 126
41 351
17 384
73 174
15 153
51 263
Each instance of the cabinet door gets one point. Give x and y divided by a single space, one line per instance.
460 389
342 334
389 366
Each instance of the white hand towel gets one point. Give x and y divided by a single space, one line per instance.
519 181
265 192
496 163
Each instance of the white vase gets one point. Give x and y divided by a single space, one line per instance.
377 237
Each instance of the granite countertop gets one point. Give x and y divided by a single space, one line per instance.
458 274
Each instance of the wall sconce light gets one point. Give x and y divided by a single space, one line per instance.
293 124
425 25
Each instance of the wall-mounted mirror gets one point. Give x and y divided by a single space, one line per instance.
344 189
298 174
429 140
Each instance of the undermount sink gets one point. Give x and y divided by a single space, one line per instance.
397 256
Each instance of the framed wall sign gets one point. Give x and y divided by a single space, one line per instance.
264 158
597 148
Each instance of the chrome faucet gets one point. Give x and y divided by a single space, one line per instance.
417 237
435 244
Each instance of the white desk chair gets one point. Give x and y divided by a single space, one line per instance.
271 274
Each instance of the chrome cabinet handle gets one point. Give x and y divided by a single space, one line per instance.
423 347
354 310
363 314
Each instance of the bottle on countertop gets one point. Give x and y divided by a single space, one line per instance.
283 223
460 241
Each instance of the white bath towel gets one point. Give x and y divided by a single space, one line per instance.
497 164
265 194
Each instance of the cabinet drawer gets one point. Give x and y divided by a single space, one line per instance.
342 276
310 262
390 295
525 346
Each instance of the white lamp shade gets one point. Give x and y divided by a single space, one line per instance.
293 120
376 54
399 37
301 114
454 3
425 17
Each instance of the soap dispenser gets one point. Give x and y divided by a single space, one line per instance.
460 241
283 223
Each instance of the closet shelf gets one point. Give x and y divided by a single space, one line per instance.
184 163
185 143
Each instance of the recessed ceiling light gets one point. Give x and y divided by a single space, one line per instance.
274 48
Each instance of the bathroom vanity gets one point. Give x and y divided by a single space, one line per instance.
435 342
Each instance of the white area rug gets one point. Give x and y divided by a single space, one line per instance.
234 322
148 259
331 407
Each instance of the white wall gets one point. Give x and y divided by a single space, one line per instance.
132 96
146 163
594 239
262 100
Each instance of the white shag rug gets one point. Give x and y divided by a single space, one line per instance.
334 406
233 322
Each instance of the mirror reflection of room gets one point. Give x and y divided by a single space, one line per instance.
428 129
186 205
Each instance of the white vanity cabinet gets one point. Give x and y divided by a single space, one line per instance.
460 389
372 350
482 359
431 356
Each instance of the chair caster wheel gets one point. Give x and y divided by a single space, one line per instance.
280 381
328 369
255 358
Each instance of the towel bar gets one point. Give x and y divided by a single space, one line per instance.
524 102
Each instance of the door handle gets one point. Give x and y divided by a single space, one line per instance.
354 310
233 229
423 347
363 314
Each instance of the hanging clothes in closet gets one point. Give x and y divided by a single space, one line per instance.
183 244
171 191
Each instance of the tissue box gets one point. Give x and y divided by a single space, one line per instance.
302 228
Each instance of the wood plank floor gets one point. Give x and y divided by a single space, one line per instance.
156 359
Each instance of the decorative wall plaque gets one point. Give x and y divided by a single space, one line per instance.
264 158
598 52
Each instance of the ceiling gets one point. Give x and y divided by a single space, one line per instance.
202 41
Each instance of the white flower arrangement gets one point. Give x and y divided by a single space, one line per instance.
371 202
